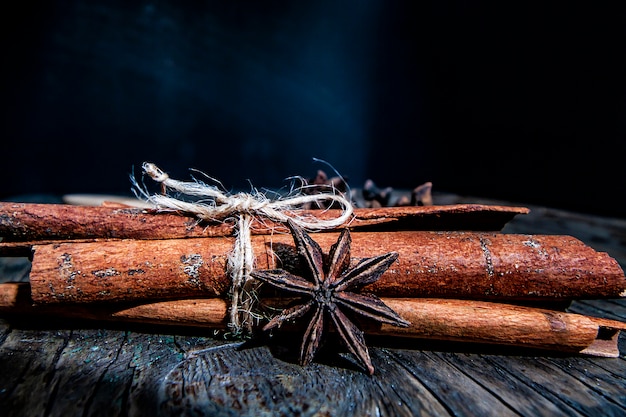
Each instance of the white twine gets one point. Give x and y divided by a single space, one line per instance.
214 205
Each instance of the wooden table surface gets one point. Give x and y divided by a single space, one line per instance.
51 367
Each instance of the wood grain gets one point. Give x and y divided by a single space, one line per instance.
114 372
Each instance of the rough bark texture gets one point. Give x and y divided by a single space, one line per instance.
487 266
32 222
434 319
488 322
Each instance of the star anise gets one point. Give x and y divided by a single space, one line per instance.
327 290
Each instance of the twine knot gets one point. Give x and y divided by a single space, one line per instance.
246 203
215 205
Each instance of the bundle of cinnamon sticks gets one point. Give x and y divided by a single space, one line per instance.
457 276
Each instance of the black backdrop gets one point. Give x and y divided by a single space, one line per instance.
516 100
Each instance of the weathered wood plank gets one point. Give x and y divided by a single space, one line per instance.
598 308
511 390
459 393
614 307
597 378
253 382
110 396
616 367
163 375
82 363
557 385
153 356
27 365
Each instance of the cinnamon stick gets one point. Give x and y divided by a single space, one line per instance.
437 319
36 222
471 265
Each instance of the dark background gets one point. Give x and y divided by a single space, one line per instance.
522 101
